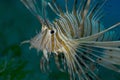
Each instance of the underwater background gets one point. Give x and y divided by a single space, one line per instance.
17 24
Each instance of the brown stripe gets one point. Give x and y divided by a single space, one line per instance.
44 38
62 43
70 25
59 25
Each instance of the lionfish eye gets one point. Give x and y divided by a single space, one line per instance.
52 31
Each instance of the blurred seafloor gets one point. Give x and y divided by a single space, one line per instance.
18 62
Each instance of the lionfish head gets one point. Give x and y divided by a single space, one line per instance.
44 39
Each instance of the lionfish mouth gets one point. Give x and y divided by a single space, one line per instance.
78 36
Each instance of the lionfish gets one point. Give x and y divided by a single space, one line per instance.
76 38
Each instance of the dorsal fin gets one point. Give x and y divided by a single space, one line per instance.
46 21
97 12
85 9
54 2
74 7
56 8
43 9
53 9
83 12
61 11
82 6
66 6
33 7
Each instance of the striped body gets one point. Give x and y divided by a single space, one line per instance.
76 36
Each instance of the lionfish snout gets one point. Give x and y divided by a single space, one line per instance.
45 40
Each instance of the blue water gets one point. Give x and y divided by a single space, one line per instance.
18 24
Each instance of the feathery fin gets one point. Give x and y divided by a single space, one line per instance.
74 7
66 6
33 8
95 36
